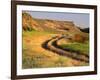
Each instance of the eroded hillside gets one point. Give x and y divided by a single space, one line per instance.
31 23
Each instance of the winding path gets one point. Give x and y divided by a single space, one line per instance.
52 45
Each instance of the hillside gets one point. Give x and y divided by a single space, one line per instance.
31 23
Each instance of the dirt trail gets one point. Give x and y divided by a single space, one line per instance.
53 46
35 49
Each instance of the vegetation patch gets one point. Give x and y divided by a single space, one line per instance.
77 47
34 56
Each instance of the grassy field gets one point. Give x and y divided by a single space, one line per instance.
34 56
78 47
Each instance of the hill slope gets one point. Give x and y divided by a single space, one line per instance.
30 23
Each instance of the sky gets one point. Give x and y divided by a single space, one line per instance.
79 19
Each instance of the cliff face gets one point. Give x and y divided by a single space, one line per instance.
31 23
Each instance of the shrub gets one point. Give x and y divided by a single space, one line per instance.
79 38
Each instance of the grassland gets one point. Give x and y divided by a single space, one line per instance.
34 56
77 47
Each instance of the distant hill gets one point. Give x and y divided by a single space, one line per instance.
85 30
31 23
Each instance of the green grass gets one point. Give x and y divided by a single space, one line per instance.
79 47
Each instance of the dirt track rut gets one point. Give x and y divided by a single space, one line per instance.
52 45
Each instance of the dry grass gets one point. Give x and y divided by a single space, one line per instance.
34 56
